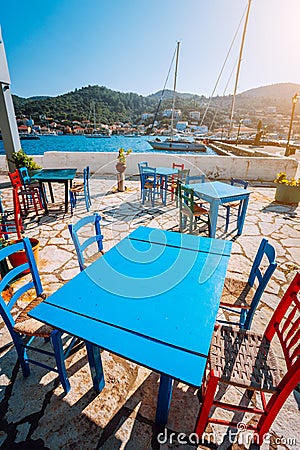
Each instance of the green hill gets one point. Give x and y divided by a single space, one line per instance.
113 106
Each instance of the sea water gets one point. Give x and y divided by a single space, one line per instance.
73 143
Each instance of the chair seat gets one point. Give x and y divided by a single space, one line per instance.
237 293
90 259
78 187
244 358
199 210
32 327
232 205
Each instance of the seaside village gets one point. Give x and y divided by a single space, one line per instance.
149 300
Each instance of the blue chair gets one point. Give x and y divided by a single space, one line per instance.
195 179
11 221
80 241
22 328
141 166
236 205
81 189
149 184
242 297
26 181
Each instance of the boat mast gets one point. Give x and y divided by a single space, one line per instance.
238 68
94 112
174 89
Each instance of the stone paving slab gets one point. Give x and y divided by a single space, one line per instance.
34 412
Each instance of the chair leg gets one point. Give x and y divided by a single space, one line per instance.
207 402
96 368
60 359
22 355
274 406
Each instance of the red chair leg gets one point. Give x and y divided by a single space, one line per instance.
275 404
208 398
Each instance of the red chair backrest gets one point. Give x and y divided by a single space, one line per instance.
285 322
177 166
15 179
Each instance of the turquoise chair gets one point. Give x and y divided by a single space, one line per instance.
22 328
234 205
82 243
195 179
81 190
149 185
242 297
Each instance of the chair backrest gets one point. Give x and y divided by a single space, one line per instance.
81 243
15 179
148 177
86 178
24 175
285 323
141 165
183 175
178 166
238 182
186 198
9 225
20 288
196 179
262 274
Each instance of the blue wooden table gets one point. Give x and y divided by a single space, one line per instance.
152 299
217 193
49 176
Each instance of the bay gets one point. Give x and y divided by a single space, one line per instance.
73 143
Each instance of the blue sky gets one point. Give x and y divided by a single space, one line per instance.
56 46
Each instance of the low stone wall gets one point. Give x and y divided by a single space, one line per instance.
214 166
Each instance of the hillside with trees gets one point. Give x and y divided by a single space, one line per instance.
113 106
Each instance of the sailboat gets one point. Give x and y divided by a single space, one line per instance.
176 143
95 133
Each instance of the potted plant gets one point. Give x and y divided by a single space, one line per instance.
19 258
21 159
287 191
121 164
121 167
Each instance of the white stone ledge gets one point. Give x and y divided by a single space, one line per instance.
214 166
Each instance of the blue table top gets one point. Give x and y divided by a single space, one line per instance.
54 175
166 171
183 241
218 190
147 299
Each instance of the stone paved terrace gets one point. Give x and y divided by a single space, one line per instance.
34 412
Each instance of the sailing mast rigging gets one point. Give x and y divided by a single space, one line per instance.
174 88
239 67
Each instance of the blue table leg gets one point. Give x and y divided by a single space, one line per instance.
213 217
163 182
242 216
164 400
94 357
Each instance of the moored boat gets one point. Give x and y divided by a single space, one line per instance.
177 145
97 135
28 136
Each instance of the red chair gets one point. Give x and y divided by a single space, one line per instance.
247 360
29 194
172 185
11 221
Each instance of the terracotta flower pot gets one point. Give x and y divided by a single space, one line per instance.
19 258
121 167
